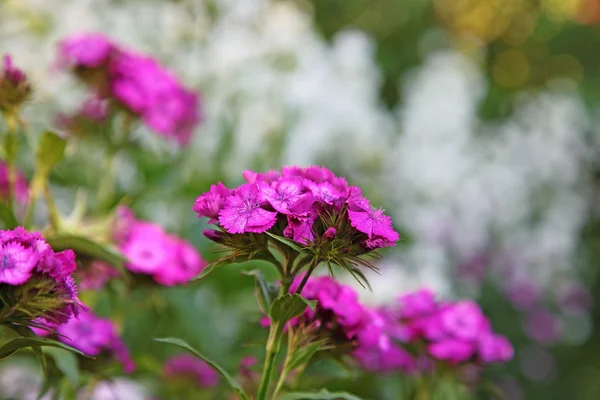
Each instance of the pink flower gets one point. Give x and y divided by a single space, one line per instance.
136 82
284 194
243 213
93 336
152 251
26 255
451 350
417 304
96 275
210 203
187 365
85 50
464 320
375 224
494 348
148 248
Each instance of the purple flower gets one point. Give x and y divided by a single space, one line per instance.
135 82
52 295
494 348
14 88
243 213
329 233
96 275
542 326
464 320
150 250
451 350
94 336
186 365
376 225
284 194
85 50
210 203
417 304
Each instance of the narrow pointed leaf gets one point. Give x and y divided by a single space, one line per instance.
210 268
66 362
19 343
289 243
322 395
234 385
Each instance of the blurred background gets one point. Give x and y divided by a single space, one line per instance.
474 123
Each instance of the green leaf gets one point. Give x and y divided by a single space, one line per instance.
289 306
290 243
265 291
85 246
209 268
234 385
322 395
66 362
49 152
18 343
8 216
303 355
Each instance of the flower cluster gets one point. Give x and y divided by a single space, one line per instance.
134 82
21 185
14 88
189 367
35 281
449 332
310 206
152 251
94 336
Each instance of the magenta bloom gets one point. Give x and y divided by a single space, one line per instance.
186 365
464 320
134 82
243 213
85 50
95 336
308 205
27 257
494 348
210 204
96 275
451 350
417 304
21 185
152 251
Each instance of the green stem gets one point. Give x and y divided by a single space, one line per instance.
285 371
53 214
11 148
312 267
273 346
106 187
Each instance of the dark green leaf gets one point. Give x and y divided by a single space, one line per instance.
49 152
322 395
289 243
289 306
265 291
303 355
85 246
234 385
209 268
66 362
16 344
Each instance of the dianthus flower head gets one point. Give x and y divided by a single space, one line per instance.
133 82
150 250
189 367
310 206
36 281
14 87
450 333
96 337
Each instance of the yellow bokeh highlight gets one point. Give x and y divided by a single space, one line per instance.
511 69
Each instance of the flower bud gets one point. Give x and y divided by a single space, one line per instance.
215 236
329 233
14 88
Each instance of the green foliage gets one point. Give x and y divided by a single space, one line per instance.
322 395
234 385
